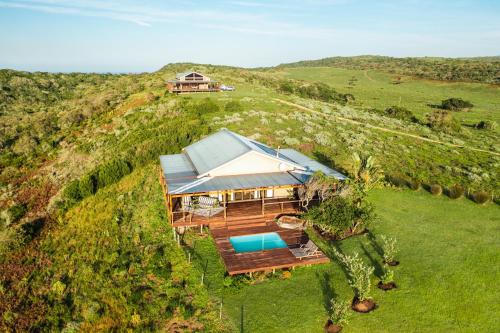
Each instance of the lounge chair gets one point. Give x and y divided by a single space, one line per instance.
306 250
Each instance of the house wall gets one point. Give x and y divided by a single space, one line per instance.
251 163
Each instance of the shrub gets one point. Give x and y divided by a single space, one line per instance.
340 312
359 274
16 212
233 106
87 185
481 197
486 125
207 105
338 214
442 120
456 191
455 104
398 181
389 248
436 189
72 191
388 276
414 184
399 112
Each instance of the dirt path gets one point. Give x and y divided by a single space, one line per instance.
368 76
388 130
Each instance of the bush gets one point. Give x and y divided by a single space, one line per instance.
16 212
455 104
359 274
340 312
388 276
72 191
389 249
480 197
337 215
436 189
399 112
486 125
442 120
233 106
398 181
207 105
414 184
456 191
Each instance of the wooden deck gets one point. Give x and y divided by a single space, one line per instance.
238 213
248 262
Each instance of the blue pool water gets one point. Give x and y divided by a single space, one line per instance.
257 242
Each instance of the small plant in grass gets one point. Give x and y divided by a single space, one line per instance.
340 314
359 279
481 197
389 250
436 189
456 191
387 279
486 125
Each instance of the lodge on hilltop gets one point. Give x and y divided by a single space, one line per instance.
189 82
238 186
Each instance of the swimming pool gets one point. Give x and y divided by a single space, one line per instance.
257 242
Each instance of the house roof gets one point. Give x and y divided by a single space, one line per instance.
224 146
189 172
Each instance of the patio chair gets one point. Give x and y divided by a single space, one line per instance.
187 203
306 250
208 202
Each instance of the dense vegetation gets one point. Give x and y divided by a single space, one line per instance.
485 69
83 239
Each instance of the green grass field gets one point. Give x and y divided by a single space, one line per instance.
375 89
447 280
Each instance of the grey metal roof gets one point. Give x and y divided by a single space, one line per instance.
215 150
178 170
184 172
310 164
238 182
224 146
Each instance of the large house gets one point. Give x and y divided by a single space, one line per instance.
226 177
238 186
192 82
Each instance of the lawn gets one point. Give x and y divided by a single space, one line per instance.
375 89
447 280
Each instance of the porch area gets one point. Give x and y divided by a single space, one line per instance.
235 212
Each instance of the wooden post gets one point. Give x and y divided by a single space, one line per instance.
263 202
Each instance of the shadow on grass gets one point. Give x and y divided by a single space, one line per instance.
379 270
327 290
375 245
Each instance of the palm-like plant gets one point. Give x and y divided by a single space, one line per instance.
366 170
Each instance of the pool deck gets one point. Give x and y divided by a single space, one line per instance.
268 260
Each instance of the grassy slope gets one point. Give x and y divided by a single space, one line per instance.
375 89
447 279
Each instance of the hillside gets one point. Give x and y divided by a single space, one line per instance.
82 218
481 69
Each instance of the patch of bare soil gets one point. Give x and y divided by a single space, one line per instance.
386 286
363 306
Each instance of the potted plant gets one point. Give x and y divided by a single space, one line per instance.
339 316
359 279
389 250
387 280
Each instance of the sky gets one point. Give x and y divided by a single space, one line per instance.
138 36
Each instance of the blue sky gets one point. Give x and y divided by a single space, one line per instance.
132 36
